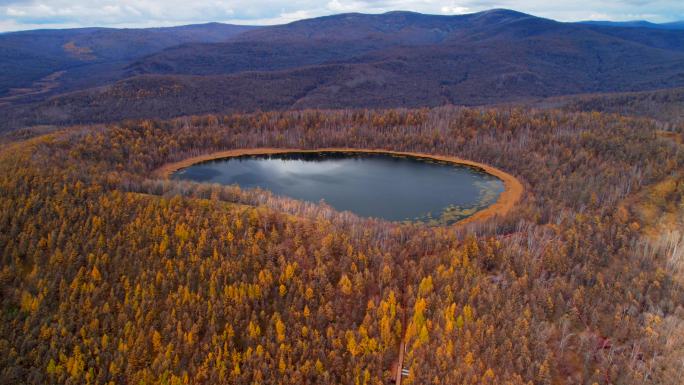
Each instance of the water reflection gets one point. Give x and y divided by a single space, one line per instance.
375 185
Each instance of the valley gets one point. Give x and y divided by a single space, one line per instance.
396 59
483 198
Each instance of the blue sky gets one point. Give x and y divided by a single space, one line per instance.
30 14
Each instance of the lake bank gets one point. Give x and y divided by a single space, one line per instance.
513 188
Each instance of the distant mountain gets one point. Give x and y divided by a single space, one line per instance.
90 56
677 25
468 59
329 39
358 60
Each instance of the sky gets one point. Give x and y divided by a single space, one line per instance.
31 14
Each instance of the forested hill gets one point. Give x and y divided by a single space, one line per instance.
84 57
111 275
397 59
638 23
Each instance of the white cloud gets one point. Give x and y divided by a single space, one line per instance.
26 14
345 6
13 12
282 18
454 9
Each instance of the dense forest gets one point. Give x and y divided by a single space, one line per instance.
352 60
663 105
111 274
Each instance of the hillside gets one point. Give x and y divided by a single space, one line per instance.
637 23
358 38
90 56
664 106
110 274
166 215
397 59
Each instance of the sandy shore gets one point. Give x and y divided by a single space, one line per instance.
507 199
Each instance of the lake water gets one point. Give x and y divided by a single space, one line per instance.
395 188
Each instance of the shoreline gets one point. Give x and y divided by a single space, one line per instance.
513 188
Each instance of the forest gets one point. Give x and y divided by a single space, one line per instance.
112 274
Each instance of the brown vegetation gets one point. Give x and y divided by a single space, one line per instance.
41 86
110 274
80 53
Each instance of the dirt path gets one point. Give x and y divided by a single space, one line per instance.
400 365
507 199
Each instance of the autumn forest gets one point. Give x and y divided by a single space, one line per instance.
113 274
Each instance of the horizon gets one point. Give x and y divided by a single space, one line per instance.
28 15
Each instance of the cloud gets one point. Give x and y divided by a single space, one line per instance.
10 2
26 14
454 9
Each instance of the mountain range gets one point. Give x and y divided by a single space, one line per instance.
637 24
396 59
83 57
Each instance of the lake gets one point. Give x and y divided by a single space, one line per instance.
386 186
